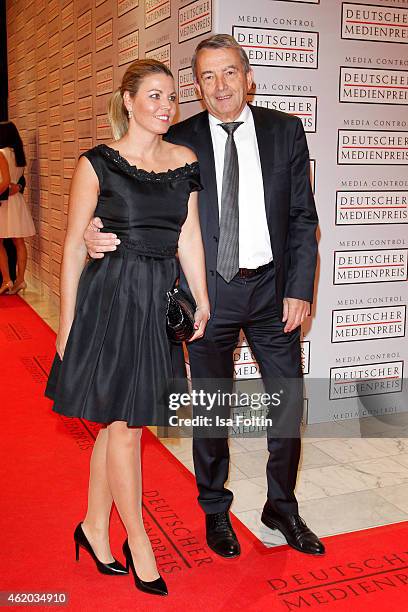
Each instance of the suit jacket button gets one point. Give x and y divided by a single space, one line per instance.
212 272
215 238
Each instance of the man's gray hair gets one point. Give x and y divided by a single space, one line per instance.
220 41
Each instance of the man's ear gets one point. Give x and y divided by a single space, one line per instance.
198 88
250 79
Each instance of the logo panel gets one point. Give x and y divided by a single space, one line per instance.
156 11
103 128
162 54
366 379
376 23
372 147
373 86
371 207
104 81
84 66
245 364
104 35
305 356
371 266
186 89
376 323
128 47
304 107
282 48
194 19
84 24
126 5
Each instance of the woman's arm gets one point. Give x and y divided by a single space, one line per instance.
82 203
192 260
4 174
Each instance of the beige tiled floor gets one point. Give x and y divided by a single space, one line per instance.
344 484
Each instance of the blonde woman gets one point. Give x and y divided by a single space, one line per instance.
113 356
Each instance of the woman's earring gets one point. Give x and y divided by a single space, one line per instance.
130 113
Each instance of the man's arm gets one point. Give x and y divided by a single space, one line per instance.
302 241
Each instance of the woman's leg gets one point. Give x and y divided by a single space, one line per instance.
96 522
4 266
21 259
125 480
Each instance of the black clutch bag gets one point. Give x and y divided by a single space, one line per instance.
179 315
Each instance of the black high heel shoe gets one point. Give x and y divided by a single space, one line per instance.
111 569
154 587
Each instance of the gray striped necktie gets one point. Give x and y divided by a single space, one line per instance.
228 247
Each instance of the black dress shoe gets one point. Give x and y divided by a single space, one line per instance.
220 535
111 569
153 587
297 533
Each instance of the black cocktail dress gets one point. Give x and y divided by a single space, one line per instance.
118 362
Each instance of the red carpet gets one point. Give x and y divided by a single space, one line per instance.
44 470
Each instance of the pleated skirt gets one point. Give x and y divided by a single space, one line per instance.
118 363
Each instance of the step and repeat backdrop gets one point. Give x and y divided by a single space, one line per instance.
342 67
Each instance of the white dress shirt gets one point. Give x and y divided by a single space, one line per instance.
254 240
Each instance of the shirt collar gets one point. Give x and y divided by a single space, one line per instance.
244 116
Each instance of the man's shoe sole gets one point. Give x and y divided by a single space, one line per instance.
272 525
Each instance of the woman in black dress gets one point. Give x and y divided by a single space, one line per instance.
114 361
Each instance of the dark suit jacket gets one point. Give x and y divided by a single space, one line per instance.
289 202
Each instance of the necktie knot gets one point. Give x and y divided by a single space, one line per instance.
231 126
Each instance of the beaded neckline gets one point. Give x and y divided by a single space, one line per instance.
140 173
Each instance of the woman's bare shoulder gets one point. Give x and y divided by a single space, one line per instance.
181 155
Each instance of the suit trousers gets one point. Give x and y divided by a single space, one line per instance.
248 304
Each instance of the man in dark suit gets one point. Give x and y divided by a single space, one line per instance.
258 221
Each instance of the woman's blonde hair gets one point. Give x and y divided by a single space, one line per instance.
134 75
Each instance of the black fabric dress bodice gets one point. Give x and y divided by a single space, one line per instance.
145 209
